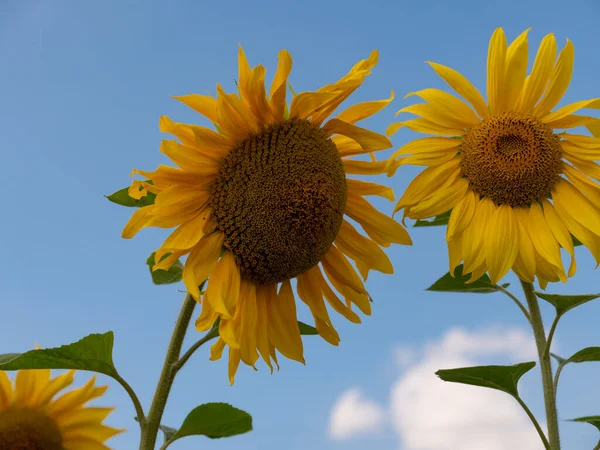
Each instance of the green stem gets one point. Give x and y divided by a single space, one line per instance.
167 376
535 423
551 335
597 447
134 398
545 364
516 300
556 377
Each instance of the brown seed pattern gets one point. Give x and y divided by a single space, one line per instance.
512 158
279 198
27 429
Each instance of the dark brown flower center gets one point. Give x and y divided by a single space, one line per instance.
279 198
512 158
27 429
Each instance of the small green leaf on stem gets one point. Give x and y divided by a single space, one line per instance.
458 283
588 354
121 197
440 220
592 420
559 359
307 329
173 275
214 420
564 303
502 378
93 353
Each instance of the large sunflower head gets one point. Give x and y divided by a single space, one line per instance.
31 418
517 188
263 201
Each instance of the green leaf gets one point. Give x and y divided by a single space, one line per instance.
502 378
564 303
307 329
173 275
121 197
448 283
93 353
214 420
440 220
168 431
588 354
592 420
576 242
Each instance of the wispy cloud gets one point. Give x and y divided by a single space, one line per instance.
354 415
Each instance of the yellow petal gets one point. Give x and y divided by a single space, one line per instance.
234 363
501 242
540 74
584 154
542 238
332 299
186 235
516 70
449 106
327 332
473 236
189 159
235 118
224 285
249 319
55 386
360 188
427 145
525 263
6 391
243 74
495 70
574 121
355 167
195 136
368 140
435 114
440 202
283 332
461 215
455 252
24 388
230 330
554 117
180 199
560 232
201 262
262 336
422 159
590 168
279 85
359 248
139 219
364 213
257 96
577 206
424 126
207 317
587 142
588 187
363 110
585 236
216 350
559 82
462 86
203 104
306 103
309 291
595 128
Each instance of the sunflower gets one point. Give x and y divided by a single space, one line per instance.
517 189
31 418
261 201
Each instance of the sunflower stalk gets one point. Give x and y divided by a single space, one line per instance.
545 364
167 376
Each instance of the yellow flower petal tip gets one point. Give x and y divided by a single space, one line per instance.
518 188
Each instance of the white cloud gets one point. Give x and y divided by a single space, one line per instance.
429 414
352 415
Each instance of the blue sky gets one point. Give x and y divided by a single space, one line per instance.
82 86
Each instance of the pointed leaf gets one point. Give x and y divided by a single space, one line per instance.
502 378
592 420
167 431
440 220
307 329
173 275
121 197
576 242
214 420
93 353
588 354
564 303
448 283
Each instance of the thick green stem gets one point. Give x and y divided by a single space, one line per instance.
167 376
545 365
